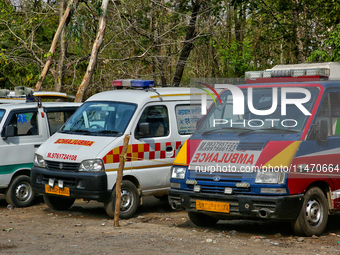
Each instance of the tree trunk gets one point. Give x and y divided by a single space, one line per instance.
299 34
72 4
93 59
188 43
63 49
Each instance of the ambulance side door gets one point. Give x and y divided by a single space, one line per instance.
322 158
152 150
26 136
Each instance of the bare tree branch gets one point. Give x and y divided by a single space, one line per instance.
24 44
72 4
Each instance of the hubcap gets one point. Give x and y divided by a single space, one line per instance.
23 192
126 200
313 212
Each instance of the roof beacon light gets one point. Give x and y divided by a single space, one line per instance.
117 83
133 83
285 75
122 83
142 83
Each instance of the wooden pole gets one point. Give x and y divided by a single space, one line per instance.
119 179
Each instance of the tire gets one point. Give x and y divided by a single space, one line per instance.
313 217
202 220
59 203
129 201
19 193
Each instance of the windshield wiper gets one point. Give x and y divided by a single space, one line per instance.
109 132
80 131
75 131
264 129
224 128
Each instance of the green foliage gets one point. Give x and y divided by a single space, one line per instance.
97 6
330 48
144 38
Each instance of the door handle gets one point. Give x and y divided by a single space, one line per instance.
37 145
169 151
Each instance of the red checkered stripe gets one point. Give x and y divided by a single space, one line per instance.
143 151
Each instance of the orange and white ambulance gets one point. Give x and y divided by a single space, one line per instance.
81 160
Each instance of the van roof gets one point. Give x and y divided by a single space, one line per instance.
141 96
34 105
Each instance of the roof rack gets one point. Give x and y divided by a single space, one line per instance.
23 94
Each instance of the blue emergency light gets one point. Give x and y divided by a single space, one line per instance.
142 83
133 83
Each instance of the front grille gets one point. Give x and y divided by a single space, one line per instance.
62 166
226 177
251 146
68 182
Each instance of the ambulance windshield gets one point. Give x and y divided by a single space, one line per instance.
100 119
268 109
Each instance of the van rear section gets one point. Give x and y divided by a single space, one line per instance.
268 151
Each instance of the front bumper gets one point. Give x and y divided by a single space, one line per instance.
94 184
241 206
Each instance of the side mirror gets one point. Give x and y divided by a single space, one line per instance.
321 131
10 131
144 129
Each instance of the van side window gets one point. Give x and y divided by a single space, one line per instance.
187 117
57 118
330 111
158 122
25 123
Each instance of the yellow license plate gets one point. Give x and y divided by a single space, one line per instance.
56 190
213 206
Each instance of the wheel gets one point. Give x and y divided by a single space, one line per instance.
19 192
129 201
59 203
162 198
202 220
312 219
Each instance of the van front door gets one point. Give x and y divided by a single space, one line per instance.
18 149
152 150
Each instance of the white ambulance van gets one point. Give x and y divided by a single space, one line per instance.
81 160
24 126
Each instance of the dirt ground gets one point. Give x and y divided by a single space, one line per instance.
155 229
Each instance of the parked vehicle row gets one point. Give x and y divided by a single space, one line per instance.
267 149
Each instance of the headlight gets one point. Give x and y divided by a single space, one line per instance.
178 172
39 160
270 177
91 165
